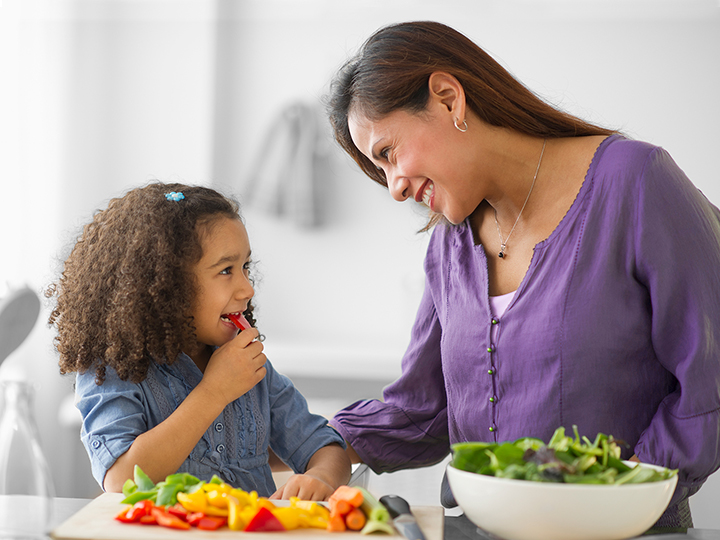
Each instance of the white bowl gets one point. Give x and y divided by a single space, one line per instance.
525 510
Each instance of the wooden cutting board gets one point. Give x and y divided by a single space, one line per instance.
96 521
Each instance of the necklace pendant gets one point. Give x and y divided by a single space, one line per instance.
502 251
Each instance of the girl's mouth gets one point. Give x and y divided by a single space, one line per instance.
237 319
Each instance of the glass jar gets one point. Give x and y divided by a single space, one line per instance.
26 487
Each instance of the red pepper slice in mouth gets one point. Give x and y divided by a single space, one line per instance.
238 320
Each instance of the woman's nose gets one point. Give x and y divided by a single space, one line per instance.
399 187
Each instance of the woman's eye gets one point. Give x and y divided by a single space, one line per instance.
384 153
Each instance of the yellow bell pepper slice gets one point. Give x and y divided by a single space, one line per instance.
217 498
242 497
262 502
289 517
312 507
193 502
313 522
236 522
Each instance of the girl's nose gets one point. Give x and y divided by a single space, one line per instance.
245 288
399 187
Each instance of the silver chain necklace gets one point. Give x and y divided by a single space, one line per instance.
503 245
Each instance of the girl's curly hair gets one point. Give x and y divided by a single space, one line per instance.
125 293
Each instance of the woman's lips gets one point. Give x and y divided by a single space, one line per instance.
426 194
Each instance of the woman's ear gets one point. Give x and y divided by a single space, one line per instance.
447 92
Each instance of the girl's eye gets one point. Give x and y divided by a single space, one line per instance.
246 266
226 271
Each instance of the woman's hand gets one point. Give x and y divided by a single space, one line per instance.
235 367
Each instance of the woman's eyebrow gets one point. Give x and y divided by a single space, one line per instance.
372 149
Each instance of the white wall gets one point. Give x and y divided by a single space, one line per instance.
100 95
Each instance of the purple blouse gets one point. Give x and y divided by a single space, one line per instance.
614 328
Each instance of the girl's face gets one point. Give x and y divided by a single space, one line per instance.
223 283
424 157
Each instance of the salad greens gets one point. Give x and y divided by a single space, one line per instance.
163 493
563 459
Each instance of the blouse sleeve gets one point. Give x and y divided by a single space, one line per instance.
113 416
295 433
409 428
677 240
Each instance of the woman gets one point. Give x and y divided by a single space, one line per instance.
571 278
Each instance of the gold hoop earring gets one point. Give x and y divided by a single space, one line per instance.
464 127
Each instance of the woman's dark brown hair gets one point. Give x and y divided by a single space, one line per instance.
391 72
125 293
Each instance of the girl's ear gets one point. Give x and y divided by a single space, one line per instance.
447 92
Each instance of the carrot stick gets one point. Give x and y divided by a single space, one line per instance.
336 523
352 495
340 506
355 519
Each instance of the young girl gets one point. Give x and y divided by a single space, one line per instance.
164 378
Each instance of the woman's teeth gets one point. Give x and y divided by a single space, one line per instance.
427 194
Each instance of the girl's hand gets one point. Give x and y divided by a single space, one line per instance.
305 486
235 367
328 469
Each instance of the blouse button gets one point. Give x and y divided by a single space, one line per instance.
493 399
220 448
491 348
491 428
494 321
491 372
219 427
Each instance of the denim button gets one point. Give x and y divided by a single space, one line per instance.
220 448
96 444
219 427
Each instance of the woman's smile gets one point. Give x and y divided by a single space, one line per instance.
426 195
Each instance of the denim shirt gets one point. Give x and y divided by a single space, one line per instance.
235 446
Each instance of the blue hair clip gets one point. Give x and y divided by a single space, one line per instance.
174 196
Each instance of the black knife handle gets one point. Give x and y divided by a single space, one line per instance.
396 505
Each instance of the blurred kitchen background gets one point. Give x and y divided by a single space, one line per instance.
98 96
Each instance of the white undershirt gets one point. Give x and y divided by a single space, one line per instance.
498 305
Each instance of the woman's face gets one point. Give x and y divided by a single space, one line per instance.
223 282
424 157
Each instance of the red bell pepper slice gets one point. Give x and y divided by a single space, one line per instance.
178 510
264 521
211 523
148 520
123 516
166 519
136 511
239 321
193 518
